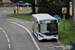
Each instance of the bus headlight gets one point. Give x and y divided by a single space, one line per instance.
41 35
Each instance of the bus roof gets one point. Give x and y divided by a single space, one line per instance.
40 17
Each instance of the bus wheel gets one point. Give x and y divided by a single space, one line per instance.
32 31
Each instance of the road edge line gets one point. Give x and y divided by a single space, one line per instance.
6 37
29 34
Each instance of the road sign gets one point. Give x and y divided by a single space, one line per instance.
21 8
64 10
16 7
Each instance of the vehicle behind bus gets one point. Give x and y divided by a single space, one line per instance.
45 28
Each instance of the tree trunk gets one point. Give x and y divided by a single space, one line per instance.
33 8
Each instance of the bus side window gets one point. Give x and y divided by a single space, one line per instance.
35 23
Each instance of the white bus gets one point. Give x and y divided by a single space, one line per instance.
44 26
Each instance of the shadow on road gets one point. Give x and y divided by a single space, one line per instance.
53 40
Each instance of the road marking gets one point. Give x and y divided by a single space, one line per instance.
28 32
9 46
4 31
8 40
31 36
60 44
6 35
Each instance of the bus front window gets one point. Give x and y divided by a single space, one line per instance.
48 28
51 27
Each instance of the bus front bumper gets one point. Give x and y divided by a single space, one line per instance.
48 37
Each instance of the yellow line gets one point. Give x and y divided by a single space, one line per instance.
60 45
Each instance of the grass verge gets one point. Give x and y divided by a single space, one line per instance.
67 34
64 35
23 16
27 9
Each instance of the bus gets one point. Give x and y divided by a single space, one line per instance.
44 26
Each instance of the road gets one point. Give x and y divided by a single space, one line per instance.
16 34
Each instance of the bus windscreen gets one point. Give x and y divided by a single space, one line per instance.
49 27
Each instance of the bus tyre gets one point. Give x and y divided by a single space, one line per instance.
32 31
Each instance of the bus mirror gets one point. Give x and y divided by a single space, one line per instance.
36 25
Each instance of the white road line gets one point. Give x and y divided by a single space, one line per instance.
4 31
8 40
29 34
6 35
9 46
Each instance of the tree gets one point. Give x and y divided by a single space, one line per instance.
30 1
32 5
53 7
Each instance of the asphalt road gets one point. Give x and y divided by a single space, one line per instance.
14 36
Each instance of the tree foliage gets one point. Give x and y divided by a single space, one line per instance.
32 5
52 7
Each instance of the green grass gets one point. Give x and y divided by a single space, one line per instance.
64 35
23 16
67 34
27 9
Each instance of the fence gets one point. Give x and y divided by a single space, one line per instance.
72 45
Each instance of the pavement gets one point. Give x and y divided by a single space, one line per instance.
16 34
